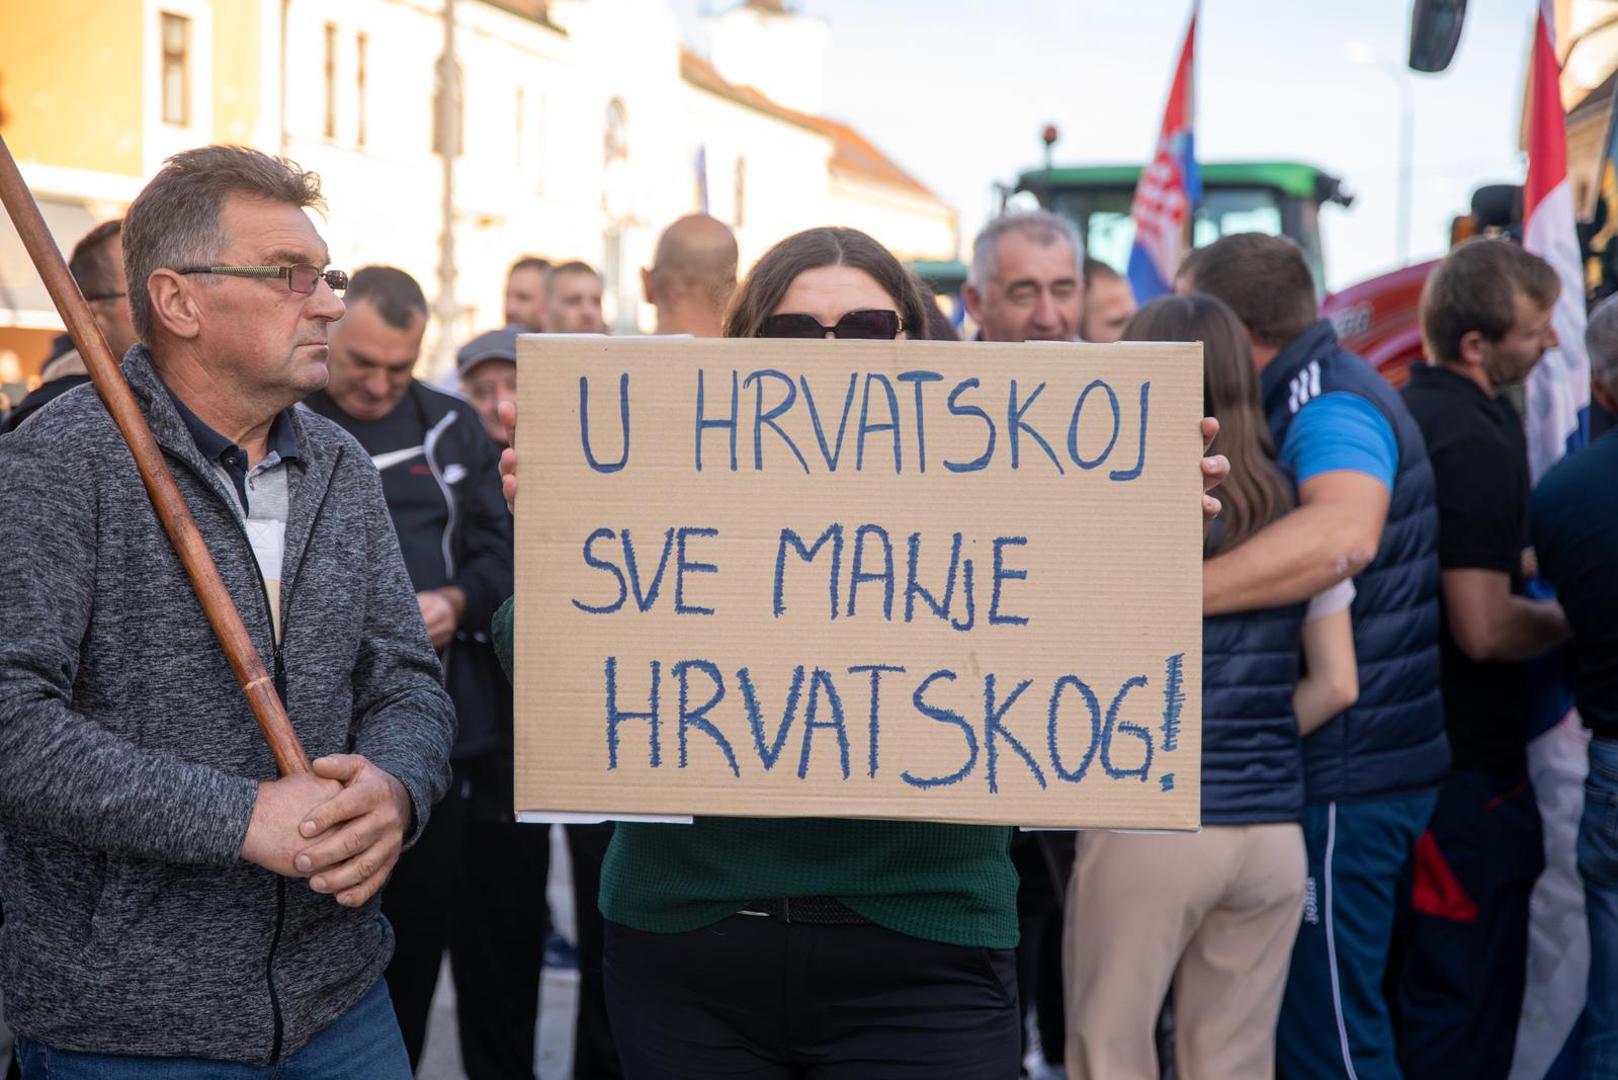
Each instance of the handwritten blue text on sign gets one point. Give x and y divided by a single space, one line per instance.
894 580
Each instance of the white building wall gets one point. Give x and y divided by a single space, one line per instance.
383 197
782 56
786 185
539 182
906 223
627 52
161 140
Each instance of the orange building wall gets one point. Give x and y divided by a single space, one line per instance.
70 83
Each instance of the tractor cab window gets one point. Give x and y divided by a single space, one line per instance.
1235 210
1102 215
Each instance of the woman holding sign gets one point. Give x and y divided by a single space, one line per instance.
1216 912
814 947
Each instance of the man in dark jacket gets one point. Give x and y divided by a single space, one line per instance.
473 883
97 266
153 867
1575 523
1365 509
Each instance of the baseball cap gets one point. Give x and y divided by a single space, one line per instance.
492 345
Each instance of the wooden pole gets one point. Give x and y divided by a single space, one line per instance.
171 509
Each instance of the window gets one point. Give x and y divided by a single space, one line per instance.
1104 221
448 110
612 257
176 35
522 135
1237 210
741 192
330 127
537 144
360 42
615 144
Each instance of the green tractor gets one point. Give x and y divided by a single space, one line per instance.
1279 198
1272 197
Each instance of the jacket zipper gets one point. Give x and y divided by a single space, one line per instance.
269 969
278 674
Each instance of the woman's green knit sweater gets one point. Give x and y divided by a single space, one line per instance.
949 883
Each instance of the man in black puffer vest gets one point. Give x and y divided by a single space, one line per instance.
1365 509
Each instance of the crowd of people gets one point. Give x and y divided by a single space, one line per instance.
1356 903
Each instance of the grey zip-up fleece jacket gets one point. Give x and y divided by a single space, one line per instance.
129 761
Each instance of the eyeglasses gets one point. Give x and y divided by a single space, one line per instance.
93 297
866 324
302 278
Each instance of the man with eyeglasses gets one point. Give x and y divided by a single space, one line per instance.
97 265
171 905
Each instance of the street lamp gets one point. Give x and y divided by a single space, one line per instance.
1360 53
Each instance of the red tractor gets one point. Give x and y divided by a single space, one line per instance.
1377 318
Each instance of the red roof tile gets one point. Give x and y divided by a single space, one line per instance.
852 153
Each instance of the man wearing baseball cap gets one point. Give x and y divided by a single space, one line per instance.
488 368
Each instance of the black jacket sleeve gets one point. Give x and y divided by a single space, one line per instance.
484 571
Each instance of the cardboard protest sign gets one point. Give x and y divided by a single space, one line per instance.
860 579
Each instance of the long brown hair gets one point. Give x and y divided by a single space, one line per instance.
811 249
1256 492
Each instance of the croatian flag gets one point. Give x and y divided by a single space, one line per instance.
1558 411
1169 188
1559 388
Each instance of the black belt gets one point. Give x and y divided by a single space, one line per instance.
810 910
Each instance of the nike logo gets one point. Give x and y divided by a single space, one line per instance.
396 457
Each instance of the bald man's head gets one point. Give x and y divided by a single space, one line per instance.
692 276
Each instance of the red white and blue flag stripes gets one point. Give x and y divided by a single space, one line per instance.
1559 388
1558 409
1169 188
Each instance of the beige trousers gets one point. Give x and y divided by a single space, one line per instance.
1216 912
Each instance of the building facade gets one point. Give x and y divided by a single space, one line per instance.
585 127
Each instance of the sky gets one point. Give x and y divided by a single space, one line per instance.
957 92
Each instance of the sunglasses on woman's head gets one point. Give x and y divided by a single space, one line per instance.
868 324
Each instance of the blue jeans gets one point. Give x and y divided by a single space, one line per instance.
1598 865
362 1044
